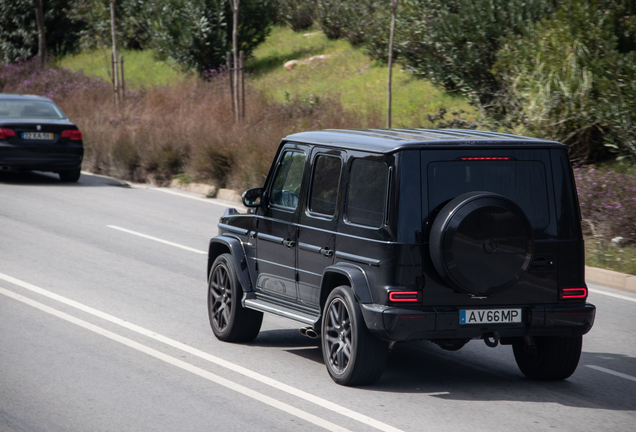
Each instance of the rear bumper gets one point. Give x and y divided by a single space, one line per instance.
42 158
395 324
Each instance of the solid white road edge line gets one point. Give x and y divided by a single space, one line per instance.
180 364
157 239
618 296
208 357
206 200
611 372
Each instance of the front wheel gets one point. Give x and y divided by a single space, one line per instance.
352 355
230 321
551 358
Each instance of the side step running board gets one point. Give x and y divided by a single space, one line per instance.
305 317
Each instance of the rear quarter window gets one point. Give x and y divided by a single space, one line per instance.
524 182
366 194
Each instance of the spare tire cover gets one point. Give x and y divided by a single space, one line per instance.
481 243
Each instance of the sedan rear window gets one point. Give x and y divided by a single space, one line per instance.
523 182
17 108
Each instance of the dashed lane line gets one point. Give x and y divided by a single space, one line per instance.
611 372
275 403
157 239
376 424
618 296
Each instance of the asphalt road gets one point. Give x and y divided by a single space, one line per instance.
103 327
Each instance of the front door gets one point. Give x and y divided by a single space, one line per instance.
276 233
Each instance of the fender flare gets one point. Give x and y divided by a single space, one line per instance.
227 243
355 275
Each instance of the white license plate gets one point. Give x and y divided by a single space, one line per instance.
489 316
37 135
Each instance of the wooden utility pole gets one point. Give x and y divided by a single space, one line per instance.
114 54
394 4
39 17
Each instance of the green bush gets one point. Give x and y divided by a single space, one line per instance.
354 20
297 14
571 78
19 30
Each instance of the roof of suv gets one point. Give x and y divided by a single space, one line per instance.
390 140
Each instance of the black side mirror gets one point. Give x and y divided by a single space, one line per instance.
253 197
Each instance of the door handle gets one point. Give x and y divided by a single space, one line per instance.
289 243
326 252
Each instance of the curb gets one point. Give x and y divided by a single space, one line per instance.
610 279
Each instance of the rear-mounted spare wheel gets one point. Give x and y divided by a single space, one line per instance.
481 243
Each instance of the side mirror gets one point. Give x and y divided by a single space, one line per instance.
253 197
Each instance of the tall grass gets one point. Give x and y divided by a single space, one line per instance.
184 128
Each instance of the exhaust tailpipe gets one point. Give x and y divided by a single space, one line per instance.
4 168
309 332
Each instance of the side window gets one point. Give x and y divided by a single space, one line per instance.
324 188
367 192
286 185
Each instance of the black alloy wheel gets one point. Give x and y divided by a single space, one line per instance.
352 355
230 321
550 359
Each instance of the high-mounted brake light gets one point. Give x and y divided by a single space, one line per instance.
6 133
485 158
573 293
404 296
72 134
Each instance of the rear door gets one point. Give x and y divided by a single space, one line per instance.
318 222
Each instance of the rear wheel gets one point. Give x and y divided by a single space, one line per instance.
551 358
230 321
70 176
352 355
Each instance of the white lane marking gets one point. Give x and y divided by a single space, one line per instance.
208 357
618 296
157 239
611 372
206 200
179 363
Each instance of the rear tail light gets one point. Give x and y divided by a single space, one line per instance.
404 296
573 293
6 133
72 134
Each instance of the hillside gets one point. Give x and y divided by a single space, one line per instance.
345 74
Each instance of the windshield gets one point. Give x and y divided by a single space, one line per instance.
24 108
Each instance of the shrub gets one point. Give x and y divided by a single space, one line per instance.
354 20
572 77
297 14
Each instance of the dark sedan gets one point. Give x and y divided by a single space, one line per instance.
36 135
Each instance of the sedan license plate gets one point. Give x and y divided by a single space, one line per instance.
489 316
37 136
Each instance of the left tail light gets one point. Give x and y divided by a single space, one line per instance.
72 134
6 133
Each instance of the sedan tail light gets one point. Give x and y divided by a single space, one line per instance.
6 133
72 134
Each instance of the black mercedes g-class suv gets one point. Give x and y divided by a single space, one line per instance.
372 237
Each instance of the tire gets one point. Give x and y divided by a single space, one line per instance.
70 176
481 243
352 355
555 358
230 321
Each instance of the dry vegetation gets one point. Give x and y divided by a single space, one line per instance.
183 129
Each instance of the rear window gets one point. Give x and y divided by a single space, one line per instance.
16 108
524 182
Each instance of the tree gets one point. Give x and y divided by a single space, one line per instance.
39 18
